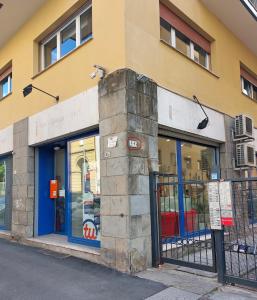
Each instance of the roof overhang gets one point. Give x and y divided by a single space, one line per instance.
239 16
13 14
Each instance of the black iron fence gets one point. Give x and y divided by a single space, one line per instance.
185 236
240 240
182 235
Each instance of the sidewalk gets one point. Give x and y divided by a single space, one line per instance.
190 284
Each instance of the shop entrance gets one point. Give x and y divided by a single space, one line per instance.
52 203
68 190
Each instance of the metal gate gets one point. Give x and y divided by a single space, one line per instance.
181 231
180 216
240 240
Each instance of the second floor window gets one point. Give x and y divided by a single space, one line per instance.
248 84
185 39
5 83
72 34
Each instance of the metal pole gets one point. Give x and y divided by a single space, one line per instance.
220 255
156 255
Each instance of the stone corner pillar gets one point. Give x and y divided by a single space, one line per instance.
23 183
129 151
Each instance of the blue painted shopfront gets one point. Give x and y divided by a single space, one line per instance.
75 212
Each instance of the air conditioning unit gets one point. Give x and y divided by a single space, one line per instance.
243 127
245 155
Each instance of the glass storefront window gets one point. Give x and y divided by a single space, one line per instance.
2 192
184 198
85 188
198 162
167 155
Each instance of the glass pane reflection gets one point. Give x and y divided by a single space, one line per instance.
85 188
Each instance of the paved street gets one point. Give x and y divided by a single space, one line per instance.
33 273
29 273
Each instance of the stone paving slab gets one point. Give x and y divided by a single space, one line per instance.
231 293
174 294
181 280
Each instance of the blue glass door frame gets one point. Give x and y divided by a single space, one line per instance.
181 181
65 143
71 238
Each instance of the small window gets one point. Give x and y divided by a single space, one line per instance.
247 87
50 52
5 83
200 56
165 31
182 43
85 25
72 34
248 83
68 39
254 92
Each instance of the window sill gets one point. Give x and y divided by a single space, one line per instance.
1 99
62 58
188 58
248 97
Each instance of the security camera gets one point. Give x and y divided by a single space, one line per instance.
100 71
142 78
93 75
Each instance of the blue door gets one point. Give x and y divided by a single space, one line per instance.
46 206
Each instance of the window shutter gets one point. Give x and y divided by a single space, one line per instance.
248 76
180 25
4 74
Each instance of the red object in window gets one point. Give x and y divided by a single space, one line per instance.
169 224
190 220
183 27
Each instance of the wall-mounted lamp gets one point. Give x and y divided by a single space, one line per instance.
28 89
100 71
205 121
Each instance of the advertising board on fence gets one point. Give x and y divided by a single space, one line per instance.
220 204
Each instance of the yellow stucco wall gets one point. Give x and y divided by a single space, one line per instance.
69 76
127 34
146 54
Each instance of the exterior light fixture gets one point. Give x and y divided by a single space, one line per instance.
28 89
205 121
100 71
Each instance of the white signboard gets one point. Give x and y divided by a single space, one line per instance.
214 205
225 192
220 204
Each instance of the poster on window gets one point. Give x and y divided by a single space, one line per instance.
91 204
